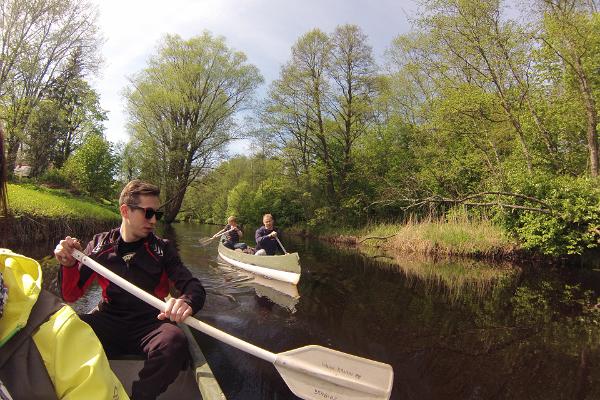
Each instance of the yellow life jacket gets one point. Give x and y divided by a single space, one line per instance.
72 355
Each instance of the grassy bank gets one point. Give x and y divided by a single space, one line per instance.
42 214
457 236
38 201
451 237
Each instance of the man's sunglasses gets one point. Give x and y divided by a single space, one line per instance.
148 212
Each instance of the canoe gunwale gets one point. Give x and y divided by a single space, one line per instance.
284 268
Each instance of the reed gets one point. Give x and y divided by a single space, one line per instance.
455 235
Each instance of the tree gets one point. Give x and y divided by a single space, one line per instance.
321 104
295 111
352 70
182 106
45 121
478 46
37 39
570 31
80 105
60 121
92 167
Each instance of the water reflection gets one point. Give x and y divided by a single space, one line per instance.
451 330
283 294
448 277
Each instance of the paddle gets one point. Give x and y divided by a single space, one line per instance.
279 241
311 372
205 241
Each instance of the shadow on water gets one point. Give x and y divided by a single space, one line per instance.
451 330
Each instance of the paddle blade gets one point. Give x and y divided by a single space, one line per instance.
205 241
315 372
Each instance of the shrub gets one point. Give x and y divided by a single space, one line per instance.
92 167
573 224
55 178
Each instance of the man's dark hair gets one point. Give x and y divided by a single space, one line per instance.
133 190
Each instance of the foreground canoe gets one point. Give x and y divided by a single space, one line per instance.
284 268
195 383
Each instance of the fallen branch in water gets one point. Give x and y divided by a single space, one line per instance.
377 237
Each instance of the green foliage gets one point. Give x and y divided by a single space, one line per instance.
92 167
323 217
572 225
240 202
55 177
472 101
182 108
550 301
280 200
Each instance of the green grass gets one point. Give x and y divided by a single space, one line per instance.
451 236
38 201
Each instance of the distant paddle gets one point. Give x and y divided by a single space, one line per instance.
206 241
279 241
311 372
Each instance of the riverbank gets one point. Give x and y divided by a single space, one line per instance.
450 237
43 214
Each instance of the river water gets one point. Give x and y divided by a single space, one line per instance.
450 330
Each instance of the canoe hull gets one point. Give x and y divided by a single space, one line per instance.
284 268
195 383
184 387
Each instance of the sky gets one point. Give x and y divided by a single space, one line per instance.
264 30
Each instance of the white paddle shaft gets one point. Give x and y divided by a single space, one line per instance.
161 305
311 372
279 241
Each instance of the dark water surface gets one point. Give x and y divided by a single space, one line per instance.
462 330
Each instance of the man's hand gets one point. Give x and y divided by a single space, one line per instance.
64 250
176 310
273 234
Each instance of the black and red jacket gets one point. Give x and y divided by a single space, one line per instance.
153 267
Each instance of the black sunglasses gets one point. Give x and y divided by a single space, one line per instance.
148 212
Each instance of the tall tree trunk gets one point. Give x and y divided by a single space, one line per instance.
591 117
12 149
174 195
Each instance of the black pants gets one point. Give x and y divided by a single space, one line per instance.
163 344
230 245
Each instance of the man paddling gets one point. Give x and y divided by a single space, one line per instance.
232 234
124 323
266 238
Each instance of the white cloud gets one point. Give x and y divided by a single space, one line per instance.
264 30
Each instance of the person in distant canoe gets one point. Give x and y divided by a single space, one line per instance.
46 351
266 242
232 234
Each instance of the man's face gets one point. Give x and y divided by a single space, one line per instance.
268 222
135 217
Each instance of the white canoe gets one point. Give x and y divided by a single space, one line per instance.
195 383
284 268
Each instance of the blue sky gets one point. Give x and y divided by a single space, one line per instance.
264 30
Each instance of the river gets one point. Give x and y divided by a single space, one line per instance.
450 330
